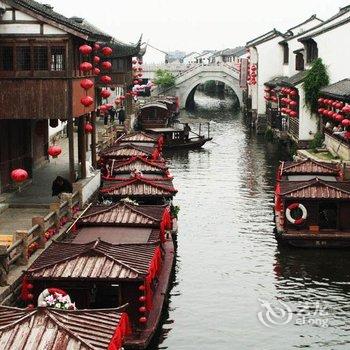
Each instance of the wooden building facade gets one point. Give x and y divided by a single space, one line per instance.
40 82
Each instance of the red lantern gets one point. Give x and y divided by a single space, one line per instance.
142 309
293 103
31 307
30 286
106 65
19 175
85 66
122 97
103 108
330 113
345 122
339 105
96 59
86 84
96 71
325 112
85 49
106 79
30 296
339 118
143 320
134 61
136 82
334 104
96 47
54 151
321 110
107 51
140 69
142 287
139 75
320 100
293 114
87 101
140 61
88 128
293 93
105 93
117 101
142 299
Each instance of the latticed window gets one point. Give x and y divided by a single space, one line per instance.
299 61
119 64
40 58
23 58
6 58
58 58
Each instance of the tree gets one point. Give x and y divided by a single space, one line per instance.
164 78
316 78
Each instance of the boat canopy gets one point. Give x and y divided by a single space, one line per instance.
154 105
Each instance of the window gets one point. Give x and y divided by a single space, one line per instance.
299 61
119 65
58 58
285 54
40 58
23 57
311 51
6 58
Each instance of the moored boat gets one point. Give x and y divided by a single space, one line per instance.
312 202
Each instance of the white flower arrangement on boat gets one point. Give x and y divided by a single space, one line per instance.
55 298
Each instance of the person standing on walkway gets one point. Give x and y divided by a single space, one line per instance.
121 115
112 113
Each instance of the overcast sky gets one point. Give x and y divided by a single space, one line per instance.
192 25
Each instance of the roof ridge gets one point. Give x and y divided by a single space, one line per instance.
319 163
141 213
21 319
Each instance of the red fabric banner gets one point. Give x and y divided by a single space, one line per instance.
123 330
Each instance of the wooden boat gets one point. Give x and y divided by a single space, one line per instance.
175 138
117 255
52 329
312 203
139 188
140 138
153 115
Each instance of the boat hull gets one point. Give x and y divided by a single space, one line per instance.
186 145
141 339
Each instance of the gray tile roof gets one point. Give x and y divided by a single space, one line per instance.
295 79
275 81
339 90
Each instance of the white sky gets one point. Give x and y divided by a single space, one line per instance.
193 25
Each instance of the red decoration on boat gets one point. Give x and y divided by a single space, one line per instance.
96 47
142 299
85 49
142 309
87 101
19 175
143 320
142 287
106 79
88 128
54 151
106 65
30 296
86 84
107 51
85 66
96 59
96 71
105 93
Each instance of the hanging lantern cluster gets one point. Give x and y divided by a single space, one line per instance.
86 84
335 110
270 95
142 308
252 74
289 104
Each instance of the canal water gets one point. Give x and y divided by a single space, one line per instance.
233 287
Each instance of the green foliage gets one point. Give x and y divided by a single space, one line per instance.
164 78
209 87
316 78
174 210
317 142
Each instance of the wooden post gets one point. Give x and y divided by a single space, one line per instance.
93 140
55 207
39 220
81 146
70 133
68 197
23 259
4 266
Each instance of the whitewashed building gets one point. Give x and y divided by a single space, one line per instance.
153 55
190 58
204 57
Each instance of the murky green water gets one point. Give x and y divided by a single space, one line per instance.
228 262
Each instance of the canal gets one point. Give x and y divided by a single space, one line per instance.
234 288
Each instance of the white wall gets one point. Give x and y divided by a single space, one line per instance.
191 58
153 56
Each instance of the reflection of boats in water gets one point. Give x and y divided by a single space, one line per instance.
302 268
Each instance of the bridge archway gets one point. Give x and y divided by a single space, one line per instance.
186 93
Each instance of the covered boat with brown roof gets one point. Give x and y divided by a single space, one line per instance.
313 212
51 329
139 188
115 168
98 274
124 223
140 138
153 115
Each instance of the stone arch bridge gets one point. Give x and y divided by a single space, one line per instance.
187 82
